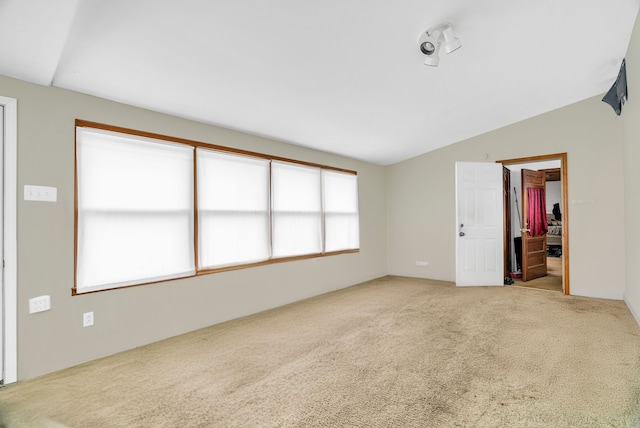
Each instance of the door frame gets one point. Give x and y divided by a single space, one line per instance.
10 242
562 157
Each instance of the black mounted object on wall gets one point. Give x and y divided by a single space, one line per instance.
617 95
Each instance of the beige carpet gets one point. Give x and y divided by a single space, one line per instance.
393 352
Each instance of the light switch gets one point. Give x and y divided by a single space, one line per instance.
39 304
40 193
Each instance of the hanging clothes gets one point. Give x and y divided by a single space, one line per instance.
536 213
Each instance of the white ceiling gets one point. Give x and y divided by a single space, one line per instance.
345 77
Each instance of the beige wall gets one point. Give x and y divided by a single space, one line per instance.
421 202
127 318
631 130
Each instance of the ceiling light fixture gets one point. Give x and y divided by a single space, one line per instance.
436 37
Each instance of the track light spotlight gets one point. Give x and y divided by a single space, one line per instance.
434 38
451 42
430 46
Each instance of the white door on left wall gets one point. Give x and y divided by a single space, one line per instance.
8 239
1 248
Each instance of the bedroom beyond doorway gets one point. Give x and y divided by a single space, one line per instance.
553 248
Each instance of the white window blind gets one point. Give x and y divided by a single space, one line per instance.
135 210
296 209
233 209
340 193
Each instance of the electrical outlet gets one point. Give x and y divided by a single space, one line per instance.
40 193
422 264
87 319
39 304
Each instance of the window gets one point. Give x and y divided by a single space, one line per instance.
135 210
152 208
297 209
340 190
233 209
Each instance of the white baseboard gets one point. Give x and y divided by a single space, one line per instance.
634 311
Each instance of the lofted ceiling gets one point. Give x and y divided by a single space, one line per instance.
345 77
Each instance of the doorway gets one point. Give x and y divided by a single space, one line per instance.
8 238
554 168
2 257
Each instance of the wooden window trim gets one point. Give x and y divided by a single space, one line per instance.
79 123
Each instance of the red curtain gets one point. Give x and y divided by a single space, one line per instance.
536 214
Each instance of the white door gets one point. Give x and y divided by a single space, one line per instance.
479 227
8 239
1 248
